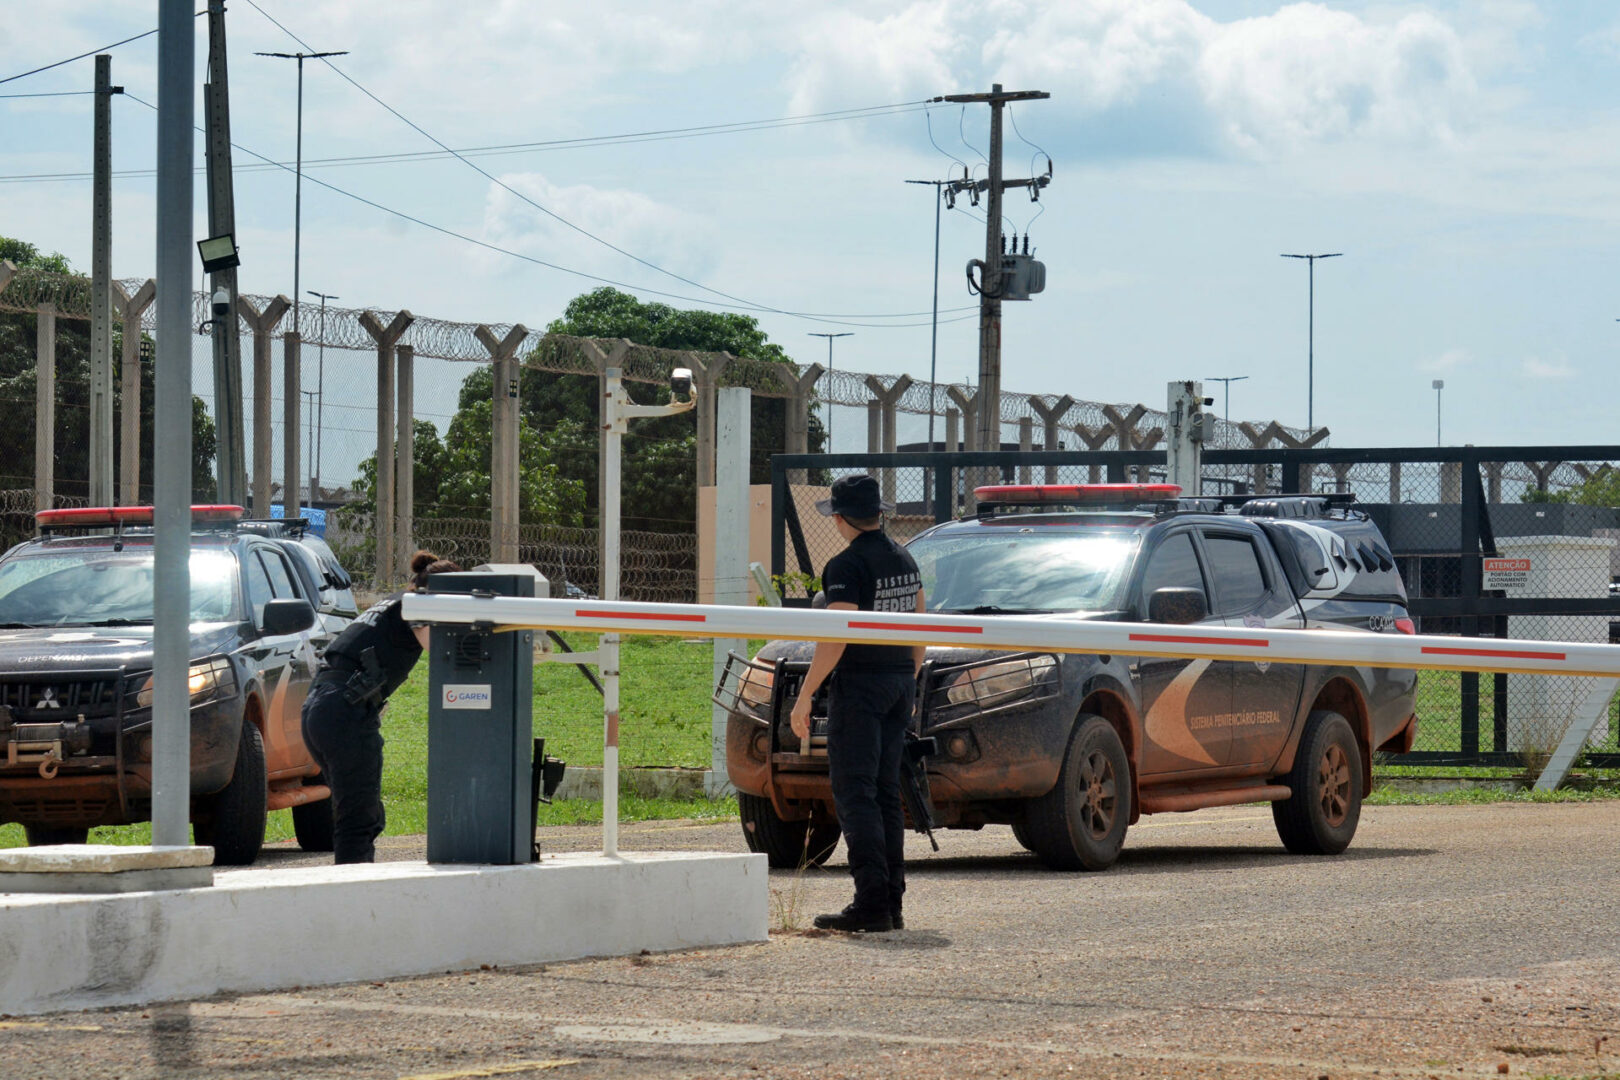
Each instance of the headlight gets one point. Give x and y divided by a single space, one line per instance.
991 685
754 687
206 680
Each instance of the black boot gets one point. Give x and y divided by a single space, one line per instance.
853 921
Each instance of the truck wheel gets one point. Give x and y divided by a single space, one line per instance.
1321 816
1080 824
312 824
44 835
234 821
1020 830
786 845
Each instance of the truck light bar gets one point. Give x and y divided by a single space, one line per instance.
1081 494
1015 632
100 516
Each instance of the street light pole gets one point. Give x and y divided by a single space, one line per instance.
1439 385
1226 382
320 399
298 168
829 337
309 443
1310 361
933 348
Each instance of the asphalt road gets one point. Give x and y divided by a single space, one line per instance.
1448 942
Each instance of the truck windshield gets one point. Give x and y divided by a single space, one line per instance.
107 588
1028 571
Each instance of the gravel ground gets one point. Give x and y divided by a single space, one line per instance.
1448 942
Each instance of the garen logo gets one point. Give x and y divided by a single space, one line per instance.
467 696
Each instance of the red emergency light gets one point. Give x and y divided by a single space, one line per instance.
106 516
1075 494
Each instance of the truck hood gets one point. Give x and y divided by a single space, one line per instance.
100 648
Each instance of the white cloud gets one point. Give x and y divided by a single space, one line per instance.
668 237
850 58
1606 40
1450 360
1558 367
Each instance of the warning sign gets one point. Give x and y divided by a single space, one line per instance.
1510 574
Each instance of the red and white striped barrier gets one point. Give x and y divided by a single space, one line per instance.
1043 634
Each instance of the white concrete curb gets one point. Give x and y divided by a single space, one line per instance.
259 930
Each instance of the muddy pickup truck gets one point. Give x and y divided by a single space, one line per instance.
76 647
1071 749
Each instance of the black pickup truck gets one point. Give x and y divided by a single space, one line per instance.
1071 749
76 675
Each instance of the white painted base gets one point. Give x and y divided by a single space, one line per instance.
309 926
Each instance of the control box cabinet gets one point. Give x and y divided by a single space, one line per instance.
480 732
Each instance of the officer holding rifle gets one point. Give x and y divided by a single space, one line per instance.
869 704
342 719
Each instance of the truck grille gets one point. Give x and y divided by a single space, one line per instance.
54 699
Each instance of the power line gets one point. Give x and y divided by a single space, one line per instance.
54 93
81 56
746 304
821 317
507 149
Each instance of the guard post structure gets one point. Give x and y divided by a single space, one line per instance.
480 727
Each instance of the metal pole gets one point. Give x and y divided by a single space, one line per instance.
101 383
829 337
933 348
309 442
1310 340
298 195
320 406
171 712
610 591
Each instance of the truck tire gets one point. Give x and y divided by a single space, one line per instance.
312 824
45 835
233 822
1080 824
1320 817
786 845
1020 829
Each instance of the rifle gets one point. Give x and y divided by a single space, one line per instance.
914 784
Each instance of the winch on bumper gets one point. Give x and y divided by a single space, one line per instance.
76 746
998 719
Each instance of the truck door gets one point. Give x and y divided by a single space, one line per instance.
286 665
1182 700
1250 591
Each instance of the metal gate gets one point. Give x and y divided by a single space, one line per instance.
1504 542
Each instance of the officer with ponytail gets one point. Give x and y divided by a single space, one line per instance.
341 719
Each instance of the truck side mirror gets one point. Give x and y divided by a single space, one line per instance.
1177 606
288 616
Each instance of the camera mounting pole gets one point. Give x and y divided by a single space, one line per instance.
617 411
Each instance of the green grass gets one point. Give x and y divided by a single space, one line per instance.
1439 712
1387 796
664 721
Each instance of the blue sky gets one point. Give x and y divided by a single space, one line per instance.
1464 156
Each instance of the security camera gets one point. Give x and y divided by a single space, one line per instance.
680 382
222 303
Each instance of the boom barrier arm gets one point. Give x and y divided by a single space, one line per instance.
1024 632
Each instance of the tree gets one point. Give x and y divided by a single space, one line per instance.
18 379
1602 488
660 470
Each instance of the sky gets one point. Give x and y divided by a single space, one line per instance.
1464 157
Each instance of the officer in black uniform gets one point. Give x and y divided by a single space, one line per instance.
342 715
870 701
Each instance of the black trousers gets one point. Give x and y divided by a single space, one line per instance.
867 714
346 742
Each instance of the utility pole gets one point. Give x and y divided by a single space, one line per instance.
298 168
1437 385
933 348
231 464
990 285
320 400
829 337
1310 354
101 380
